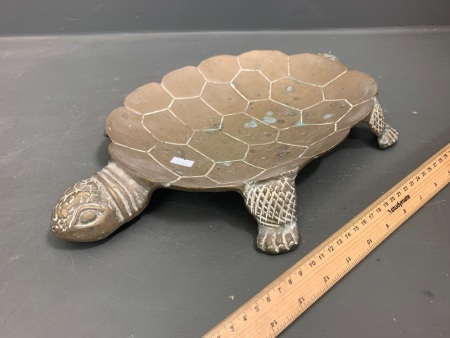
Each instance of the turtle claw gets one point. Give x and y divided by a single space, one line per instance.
388 138
277 240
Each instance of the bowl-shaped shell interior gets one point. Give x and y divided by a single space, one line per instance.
238 119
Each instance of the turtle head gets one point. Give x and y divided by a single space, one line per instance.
86 212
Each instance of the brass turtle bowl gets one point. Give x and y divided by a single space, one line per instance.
246 123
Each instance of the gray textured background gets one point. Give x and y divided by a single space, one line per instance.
189 260
37 17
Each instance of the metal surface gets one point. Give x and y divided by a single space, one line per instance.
189 261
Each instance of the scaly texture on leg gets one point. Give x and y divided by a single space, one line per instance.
387 135
273 204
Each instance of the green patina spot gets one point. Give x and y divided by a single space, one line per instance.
251 124
269 119
299 124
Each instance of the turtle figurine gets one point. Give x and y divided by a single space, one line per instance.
245 123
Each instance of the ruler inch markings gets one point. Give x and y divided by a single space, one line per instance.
276 306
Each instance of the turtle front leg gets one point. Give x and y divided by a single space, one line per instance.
273 204
94 208
387 135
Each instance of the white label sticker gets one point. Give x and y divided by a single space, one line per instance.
182 161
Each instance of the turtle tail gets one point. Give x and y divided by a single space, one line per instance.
94 208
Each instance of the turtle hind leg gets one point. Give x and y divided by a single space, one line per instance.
273 204
387 136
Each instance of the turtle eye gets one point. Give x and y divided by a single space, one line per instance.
89 216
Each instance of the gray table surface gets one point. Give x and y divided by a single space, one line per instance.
190 259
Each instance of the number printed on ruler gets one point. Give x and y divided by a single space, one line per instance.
275 307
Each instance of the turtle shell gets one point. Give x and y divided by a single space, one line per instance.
238 119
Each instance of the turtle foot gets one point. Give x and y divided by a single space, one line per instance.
273 204
388 138
277 240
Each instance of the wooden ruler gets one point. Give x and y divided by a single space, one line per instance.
275 307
